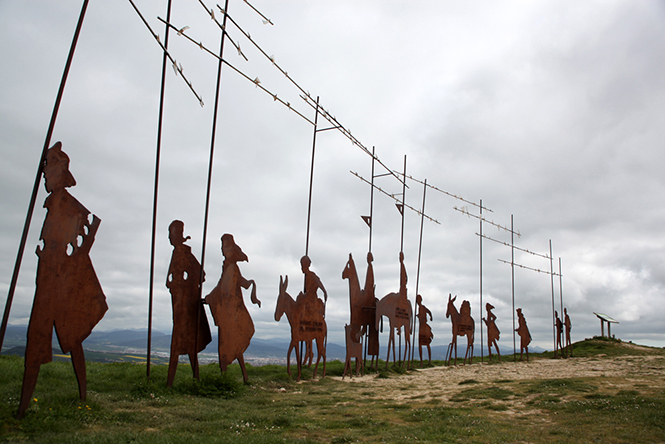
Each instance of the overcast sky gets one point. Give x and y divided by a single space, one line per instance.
549 111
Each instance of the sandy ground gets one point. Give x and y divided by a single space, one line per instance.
443 382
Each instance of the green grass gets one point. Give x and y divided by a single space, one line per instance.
122 406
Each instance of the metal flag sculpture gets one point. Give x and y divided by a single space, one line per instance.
493 332
525 336
307 324
463 325
191 332
425 334
228 308
68 295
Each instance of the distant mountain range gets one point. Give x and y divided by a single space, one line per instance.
133 343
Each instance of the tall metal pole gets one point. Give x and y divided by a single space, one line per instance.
210 163
371 202
512 280
552 279
38 177
311 177
481 282
155 192
401 245
560 288
420 249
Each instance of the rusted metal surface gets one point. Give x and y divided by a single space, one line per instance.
425 334
68 295
463 325
559 334
362 304
523 332
397 308
189 318
568 325
354 349
228 307
493 332
307 324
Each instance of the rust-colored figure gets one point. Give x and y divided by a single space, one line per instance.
399 315
493 332
362 303
354 349
310 300
425 334
463 325
525 336
568 326
228 308
189 318
559 333
68 295
305 326
397 308
369 308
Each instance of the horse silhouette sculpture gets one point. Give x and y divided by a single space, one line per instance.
306 325
400 314
363 308
463 325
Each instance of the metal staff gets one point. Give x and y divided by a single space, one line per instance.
38 177
154 198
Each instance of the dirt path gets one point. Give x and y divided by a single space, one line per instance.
444 382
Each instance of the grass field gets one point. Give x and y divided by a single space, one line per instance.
122 406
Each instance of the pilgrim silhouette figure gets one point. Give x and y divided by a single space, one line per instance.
525 336
228 308
68 295
425 334
493 332
189 318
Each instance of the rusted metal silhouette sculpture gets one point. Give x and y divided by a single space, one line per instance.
425 334
559 334
523 331
306 325
189 317
68 295
397 308
493 332
354 349
569 326
463 325
228 307
363 308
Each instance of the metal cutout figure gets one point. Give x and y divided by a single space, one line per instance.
559 334
362 302
493 332
525 336
354 349
425 334
189 318
228 308
307 324
68 295
369 310
463 325
569 326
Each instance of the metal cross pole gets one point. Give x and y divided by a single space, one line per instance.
401 247
311 176
420 248
512 280
38 177
560 288
368 220
552 280
481 283
210 162
156 189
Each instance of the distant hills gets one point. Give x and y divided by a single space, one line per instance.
130 345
